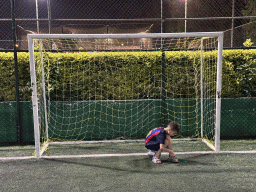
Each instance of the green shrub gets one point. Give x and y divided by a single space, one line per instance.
7 78
239 73
126 75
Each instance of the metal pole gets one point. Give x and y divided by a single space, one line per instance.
163 102
44 91
201 88
49 15
34 96
218 93
37 21
18 115
232 25
162 16
186 11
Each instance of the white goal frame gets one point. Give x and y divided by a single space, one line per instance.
31 38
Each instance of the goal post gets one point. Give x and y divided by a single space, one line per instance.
96 87
218 94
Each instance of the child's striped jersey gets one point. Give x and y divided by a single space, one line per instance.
155 137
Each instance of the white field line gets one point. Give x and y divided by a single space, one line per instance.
16 158
106 141
43 149
88 142
124 155
208 144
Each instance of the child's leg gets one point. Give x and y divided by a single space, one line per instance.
156 157
152 149
173 160
167 145
151 153
156 160
158 153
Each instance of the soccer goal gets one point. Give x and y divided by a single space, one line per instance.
117 87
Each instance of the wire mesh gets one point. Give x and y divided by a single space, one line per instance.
237 18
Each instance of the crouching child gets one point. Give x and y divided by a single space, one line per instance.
158 140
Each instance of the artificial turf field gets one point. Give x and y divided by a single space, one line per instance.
194 172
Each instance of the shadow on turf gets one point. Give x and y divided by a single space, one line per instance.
95 149
105 165
137 165
191 160
79 147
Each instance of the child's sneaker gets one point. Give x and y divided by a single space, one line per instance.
156 160
151 153
173 160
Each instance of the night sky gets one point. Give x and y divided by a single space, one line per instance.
87 9
117 9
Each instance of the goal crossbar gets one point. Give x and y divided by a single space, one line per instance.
129 35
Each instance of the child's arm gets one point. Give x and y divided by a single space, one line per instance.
168 142
167 147
163 148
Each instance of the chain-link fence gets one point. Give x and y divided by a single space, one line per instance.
236 17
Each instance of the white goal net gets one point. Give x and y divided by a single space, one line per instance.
95 87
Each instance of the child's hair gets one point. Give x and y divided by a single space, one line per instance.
174 126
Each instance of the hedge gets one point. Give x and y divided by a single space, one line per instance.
125 75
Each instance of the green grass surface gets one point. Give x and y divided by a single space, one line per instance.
194 172
238 145
16 151
113 148
208 172
138 147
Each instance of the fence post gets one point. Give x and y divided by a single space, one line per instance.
49 15
18 114
163 93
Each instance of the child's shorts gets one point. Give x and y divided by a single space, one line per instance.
153 147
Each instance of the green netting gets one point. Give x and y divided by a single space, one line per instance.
238 118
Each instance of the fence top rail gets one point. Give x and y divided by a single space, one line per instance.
139 19
130 35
